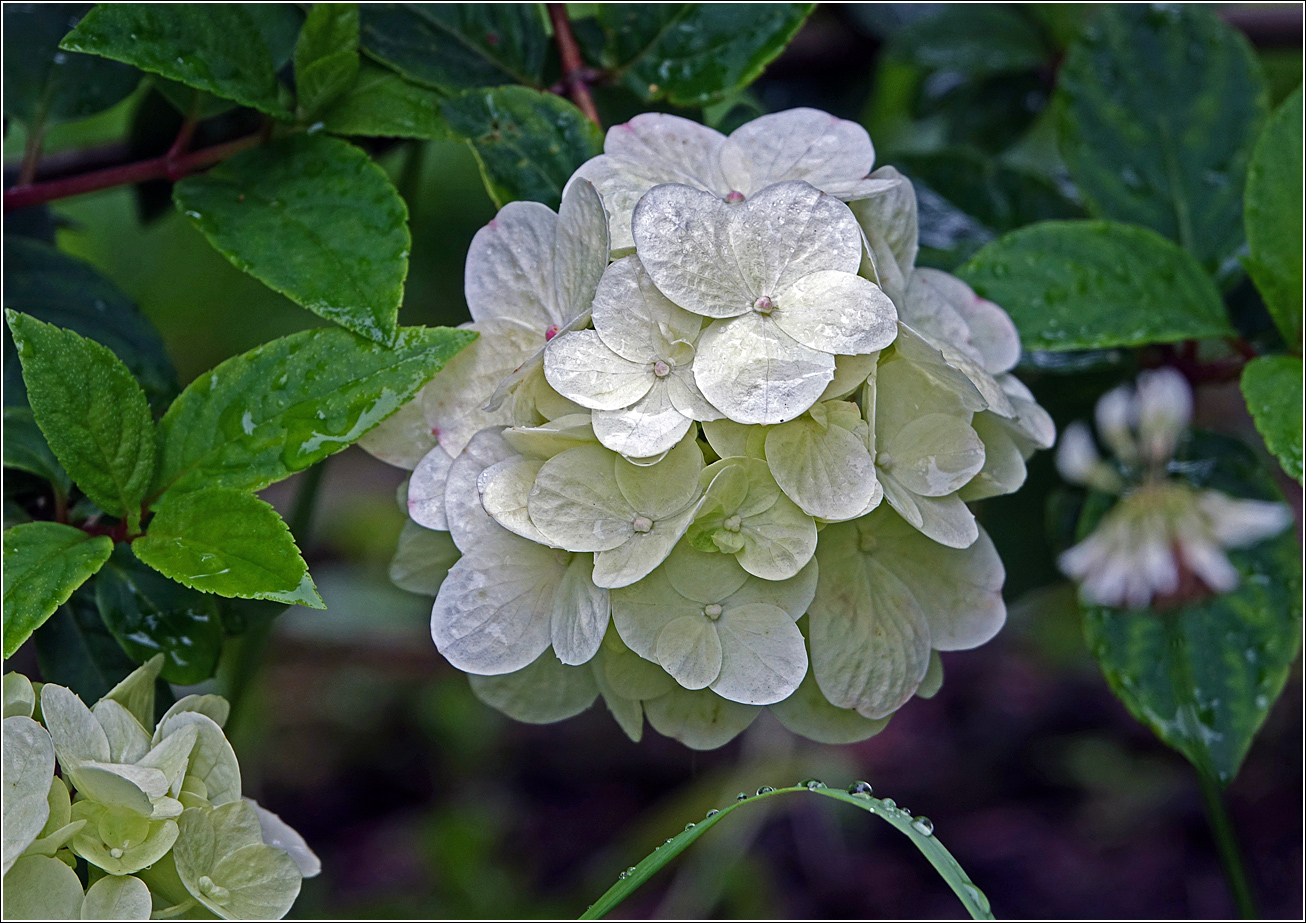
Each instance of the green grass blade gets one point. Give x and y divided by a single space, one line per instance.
971 896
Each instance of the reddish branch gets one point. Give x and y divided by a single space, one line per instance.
575 75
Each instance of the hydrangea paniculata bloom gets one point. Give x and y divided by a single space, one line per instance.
1165 538
714 447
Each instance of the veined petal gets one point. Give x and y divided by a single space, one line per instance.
794 595
837 312
689 649
826 470
947 520
581 613
467 520
763 657
541 692
891 216
640 611
634 319
28 771
933 455
582 368
914 378
701 720
754 372
577 504
797 144
807 712
685 396
650 426
850 373
548 439
664 488
504 487
509 271
778 542
641 553
1004 463
1032 429
580 250
426 489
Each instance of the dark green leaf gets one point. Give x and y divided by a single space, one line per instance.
976 39
43 563
315 219
326 57
261 416
279 25
458 46
528 143
1272 386
44 85
691 54
75 649
381 104
1203 676
1094 284
229 542
1273 210
215 47
919 830
94 415
62 290
990 113
25 448
1161 106
150 614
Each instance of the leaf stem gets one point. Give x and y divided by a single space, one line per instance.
573 68
301 511
1226 844
166 166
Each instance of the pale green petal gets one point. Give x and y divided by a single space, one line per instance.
215 707
212 761
870 641
128 741
703 578
138 842
581 613
42 888
235 826
576 501
837 312
1004 463
892 216
549 439
763 658
947 520
701 720
117 897
504 487
793 595
689 649
826 470
1032 429
807 712
683 392
987 330
136 691
510 267
754 372
263 882
402 438
627 712
20 698
914 379
797 144
74 730
493 610
778 542
580 367
49 844
933 680
129 787
468 522
642 610
931 456
628 675
580 251
171 755
665 488
421 559
640 553
542 692
637 321
278 833
650 426
426 489
533 399
727 438
60 803
849 374
28 769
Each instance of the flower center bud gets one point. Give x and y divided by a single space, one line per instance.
884 460
551 332
733 523
642 524
661 369
116 852
734 197
214 891
713 611
763 305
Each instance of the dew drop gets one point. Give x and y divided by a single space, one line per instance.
668 841
812 784
631 870
860 788
622 877
889 802
742 796
689 826
765 790
923 825
713 813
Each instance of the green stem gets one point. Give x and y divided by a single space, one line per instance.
1226 844
301 512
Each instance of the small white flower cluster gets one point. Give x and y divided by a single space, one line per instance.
715 441
1165 539
155 810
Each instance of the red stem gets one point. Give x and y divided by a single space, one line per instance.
169 166
574 72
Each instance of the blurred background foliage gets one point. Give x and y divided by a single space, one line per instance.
422 802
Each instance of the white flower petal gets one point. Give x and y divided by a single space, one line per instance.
582 368
510 267
689 649
548 439
580 251
28 770
467 520
74 730
807 712
504 487
1238 523
640 612
651 426
581 613
685 396
826 470
1004 463
402 438
664 488
916 376
797 144
634 319
947 520
933 455
542 692
1165 407
754 372
890 216
837 312
701 720
577 504
1033 428
763 657
426 489
850 372
640 553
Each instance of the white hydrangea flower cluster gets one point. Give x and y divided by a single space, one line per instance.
713 447
155 810
1164 540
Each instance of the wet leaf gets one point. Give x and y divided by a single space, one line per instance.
277 409
75 649
382 104
25 449
1273 210
978 40
315 219
44 562
326 56
1272 386
1094 284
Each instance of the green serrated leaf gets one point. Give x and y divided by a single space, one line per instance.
381 104
94 415
214 47
229 542
25 449
326 56
315 219
59 289
527 143
1272 386
1272 213
1094 284
1203 676
458 46
919 830
43 563
1161 106
150 614
277 409
691 54
44 85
